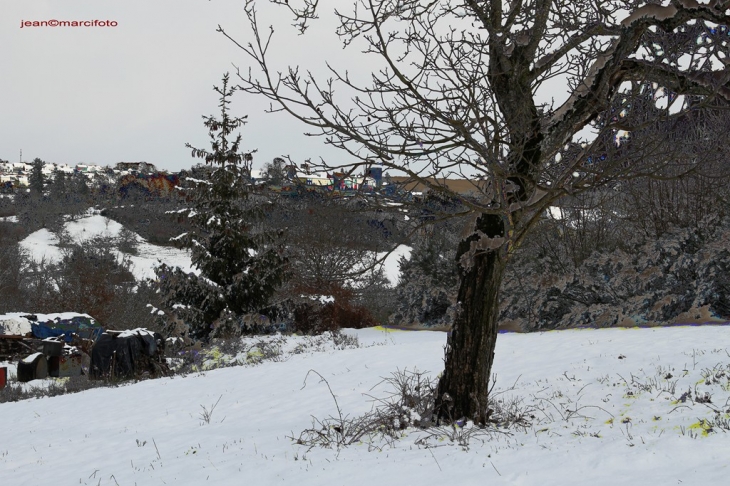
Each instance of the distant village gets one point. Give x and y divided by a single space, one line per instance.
16 174
295 180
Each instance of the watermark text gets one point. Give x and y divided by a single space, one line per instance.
67 23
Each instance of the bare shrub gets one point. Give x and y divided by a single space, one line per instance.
345 341
410 400
341 430
717 422
14 392
409 404
330 310
127 241
207 412
332 250
223 353
661 382
263 350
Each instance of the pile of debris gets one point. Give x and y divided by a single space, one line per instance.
72 344
56 345
12 346
56 359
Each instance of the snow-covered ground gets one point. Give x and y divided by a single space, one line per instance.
43 244
602 401
390 264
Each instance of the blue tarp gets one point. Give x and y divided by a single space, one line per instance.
84 326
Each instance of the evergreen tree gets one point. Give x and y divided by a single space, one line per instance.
426 290
33 208
80 186
58 189
36 180
240 264
78 193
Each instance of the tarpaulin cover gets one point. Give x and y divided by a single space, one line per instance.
123 355
82 325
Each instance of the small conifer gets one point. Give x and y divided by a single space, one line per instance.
240 263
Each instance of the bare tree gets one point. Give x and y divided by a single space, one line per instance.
462 88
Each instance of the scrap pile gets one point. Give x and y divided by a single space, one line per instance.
72 344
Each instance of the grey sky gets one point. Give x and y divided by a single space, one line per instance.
135 91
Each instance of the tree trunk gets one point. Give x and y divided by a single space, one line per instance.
462 389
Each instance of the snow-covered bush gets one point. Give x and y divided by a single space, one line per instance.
426 291
682 277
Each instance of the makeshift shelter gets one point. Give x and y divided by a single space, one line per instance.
126 354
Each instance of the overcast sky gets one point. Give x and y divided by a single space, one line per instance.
134 92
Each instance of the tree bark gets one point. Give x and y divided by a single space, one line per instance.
463 388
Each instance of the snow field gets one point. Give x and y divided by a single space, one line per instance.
588 428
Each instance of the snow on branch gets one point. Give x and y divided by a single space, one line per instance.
657 12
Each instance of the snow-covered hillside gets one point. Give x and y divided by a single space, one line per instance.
609 407
43 244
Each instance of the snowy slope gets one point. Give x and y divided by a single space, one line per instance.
591 425
43 244
390 264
